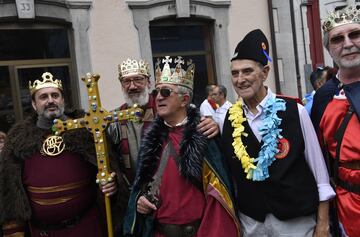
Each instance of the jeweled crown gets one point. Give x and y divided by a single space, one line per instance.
176 75
347 15
47 81
131 67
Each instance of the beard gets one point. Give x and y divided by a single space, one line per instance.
51 115
348 63
139 98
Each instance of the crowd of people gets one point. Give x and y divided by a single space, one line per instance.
259 167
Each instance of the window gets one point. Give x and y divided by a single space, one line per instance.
24 55
191 40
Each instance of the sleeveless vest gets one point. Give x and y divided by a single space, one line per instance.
291 190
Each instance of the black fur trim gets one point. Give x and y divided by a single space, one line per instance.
192 150
25 138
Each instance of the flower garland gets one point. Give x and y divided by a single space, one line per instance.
269 131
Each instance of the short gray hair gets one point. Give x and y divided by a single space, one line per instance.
185 90
223 90
326 40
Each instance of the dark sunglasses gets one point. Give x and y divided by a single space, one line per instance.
164 92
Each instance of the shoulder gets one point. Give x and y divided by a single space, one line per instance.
289 98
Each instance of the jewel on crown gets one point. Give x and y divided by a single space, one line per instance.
131 67
47 81
176 75
347 15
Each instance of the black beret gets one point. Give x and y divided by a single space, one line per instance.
254 46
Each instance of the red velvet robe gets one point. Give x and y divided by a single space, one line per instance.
182 202
61 188
348 203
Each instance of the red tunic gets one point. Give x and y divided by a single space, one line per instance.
348 202
62 188
182 202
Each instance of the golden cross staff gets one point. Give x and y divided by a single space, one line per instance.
96 121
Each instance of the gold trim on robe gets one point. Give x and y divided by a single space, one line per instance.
58 188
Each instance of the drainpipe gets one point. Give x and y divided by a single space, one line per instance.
273 47
298 77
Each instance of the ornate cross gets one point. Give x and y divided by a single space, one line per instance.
167 60
179 60
96 121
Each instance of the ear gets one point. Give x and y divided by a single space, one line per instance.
33 104
265 71
185 100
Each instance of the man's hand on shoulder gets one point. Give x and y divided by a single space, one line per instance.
208 127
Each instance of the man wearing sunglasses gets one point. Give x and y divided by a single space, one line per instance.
336 113
181 187
134 76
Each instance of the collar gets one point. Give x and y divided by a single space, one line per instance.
178 124
261 105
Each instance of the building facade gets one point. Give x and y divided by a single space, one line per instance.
72 37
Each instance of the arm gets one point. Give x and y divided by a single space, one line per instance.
316 162
322 225
314 157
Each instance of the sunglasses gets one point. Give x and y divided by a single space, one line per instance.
164 92
339 40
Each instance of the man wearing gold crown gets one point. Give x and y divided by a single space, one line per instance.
48 182
181 187
282 185
336 113
134 76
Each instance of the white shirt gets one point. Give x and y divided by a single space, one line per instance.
313 153
206 109
220 114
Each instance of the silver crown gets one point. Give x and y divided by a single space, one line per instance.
347 15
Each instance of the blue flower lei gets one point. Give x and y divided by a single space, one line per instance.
270 133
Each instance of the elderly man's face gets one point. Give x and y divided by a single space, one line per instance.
344 45
170 103
49 103
248 78
136 89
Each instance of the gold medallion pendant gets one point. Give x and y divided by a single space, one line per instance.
53 146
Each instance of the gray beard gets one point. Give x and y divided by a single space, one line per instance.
141 100
46 122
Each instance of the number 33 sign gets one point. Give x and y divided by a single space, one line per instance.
25 9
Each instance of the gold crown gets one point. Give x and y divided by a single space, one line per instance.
47 81
132 67
175 75
347 15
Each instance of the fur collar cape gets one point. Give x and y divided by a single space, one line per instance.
192 150
25 139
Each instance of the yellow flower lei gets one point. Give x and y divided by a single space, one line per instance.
236 117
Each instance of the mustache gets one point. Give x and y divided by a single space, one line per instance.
352 50
134 91
52 105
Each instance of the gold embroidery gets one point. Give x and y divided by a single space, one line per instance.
11 225
16 234
53 146
53 201
58 188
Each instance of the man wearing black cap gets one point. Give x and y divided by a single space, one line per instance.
280 177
